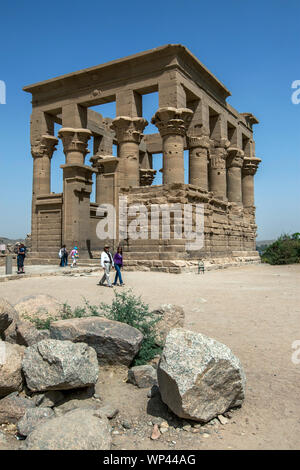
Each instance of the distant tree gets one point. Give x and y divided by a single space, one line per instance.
285 250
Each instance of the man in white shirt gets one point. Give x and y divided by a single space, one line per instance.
106 263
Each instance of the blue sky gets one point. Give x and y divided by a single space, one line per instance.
251 46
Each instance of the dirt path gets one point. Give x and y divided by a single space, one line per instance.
255 310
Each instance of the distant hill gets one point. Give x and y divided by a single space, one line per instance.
6 241
264 242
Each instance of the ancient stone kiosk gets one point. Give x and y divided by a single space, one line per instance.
193 116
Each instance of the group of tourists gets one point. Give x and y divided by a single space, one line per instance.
64 256
107 262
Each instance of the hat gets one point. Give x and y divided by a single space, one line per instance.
106 246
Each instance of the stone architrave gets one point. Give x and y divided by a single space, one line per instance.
218 154
198 160
129 133
42 151
172 124
234 175
248 171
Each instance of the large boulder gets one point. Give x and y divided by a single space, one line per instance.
13 408
170 317
114 342
59 365
8 317
32 418
77 430
39 306
199 378
11 356
27 334
142 376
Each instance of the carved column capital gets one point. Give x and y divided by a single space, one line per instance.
218 158
198 141
235 157
104 163
75 143
96 160
129 129
250 165
172 121
75 140
147 176
221 143
44 146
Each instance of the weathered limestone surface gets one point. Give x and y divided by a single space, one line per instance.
114 342
8 315
59 365
142 376
11 379
76 430
199 378
48 399
8 442
13 408
70 405
32 418
171 316
41 306
27 334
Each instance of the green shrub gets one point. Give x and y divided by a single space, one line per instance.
40 324
126 308
285 250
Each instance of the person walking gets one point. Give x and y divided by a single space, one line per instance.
63 254
21 258
74 255
118 262
106 263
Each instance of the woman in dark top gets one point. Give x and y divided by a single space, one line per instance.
21 258
118 263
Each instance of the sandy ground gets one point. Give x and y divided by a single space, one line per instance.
255 310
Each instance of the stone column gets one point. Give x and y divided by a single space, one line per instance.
106 178
172 124
129 132
198 160
217 169
75 144
103 149
77 189
249 169
42 151
234 175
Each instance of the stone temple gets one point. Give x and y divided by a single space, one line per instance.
193 115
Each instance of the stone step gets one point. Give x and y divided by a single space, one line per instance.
152 255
